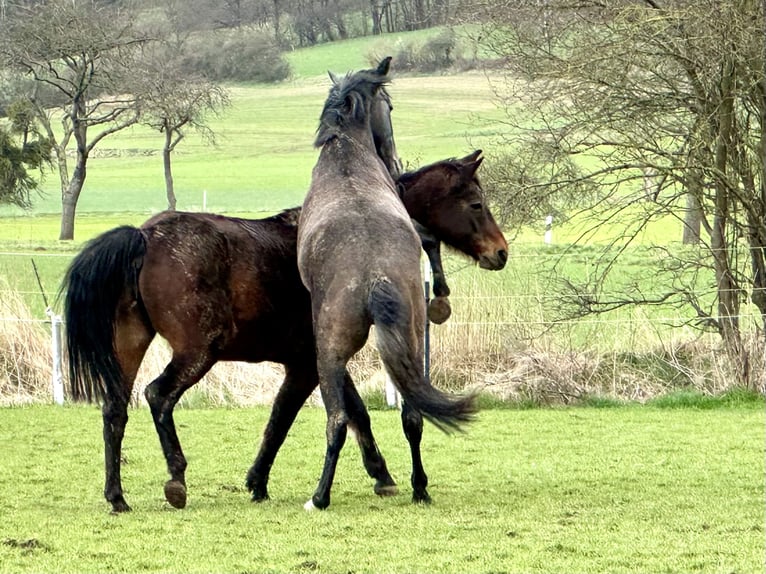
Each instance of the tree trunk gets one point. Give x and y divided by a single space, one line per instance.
375 12
275 22
69 201
166 151
71 193
692 220
727 287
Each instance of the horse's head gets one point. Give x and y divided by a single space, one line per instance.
360 99
446 197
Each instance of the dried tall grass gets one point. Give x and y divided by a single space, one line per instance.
513 360
26 369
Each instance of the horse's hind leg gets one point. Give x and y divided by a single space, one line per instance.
298 384
293 392
331 386
131 340
162 394
115 415
359 421
412 423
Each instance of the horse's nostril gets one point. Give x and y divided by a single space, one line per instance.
502 255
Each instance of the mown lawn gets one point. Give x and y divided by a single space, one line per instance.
630 489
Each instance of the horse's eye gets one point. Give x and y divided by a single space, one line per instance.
476 206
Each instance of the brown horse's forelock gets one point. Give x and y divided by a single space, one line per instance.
335 116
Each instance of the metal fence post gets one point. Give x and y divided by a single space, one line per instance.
392 395
57 378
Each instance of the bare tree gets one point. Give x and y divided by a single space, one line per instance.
601 93
85 51
172 103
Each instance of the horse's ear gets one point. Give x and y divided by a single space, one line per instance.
384 65
471 157
469 168
333 77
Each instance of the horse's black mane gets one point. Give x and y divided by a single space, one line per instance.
345 103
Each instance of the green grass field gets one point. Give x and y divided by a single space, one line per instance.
629 489
633 489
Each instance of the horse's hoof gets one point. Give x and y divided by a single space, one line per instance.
439 310
316 504
387 490
120 506
421 498
259 495
175 493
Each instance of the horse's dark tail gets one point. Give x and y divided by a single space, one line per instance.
105 269
390 316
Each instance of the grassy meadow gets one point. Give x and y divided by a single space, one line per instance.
636 489
672 485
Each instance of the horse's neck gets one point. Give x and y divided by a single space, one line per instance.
352 153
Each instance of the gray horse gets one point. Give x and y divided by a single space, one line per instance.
359 257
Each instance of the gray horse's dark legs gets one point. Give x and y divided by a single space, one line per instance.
115 417
359 421
331 386
412 423
295 389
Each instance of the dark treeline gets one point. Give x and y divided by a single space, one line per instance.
293 23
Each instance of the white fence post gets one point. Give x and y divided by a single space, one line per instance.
427 293
548 229
392 395
57 378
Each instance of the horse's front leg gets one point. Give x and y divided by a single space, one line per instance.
412 423
359 421
115 416
299 382
439 309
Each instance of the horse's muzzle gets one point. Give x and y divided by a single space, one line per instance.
494 261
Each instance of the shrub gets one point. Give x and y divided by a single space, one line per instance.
241 56
439 53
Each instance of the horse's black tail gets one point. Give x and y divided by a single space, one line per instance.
105 269
391 318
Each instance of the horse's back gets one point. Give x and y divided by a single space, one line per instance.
225 283
353 220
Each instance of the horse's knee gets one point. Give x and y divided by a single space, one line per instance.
115 412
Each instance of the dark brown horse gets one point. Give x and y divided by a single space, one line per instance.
359 257
219 288
457 211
